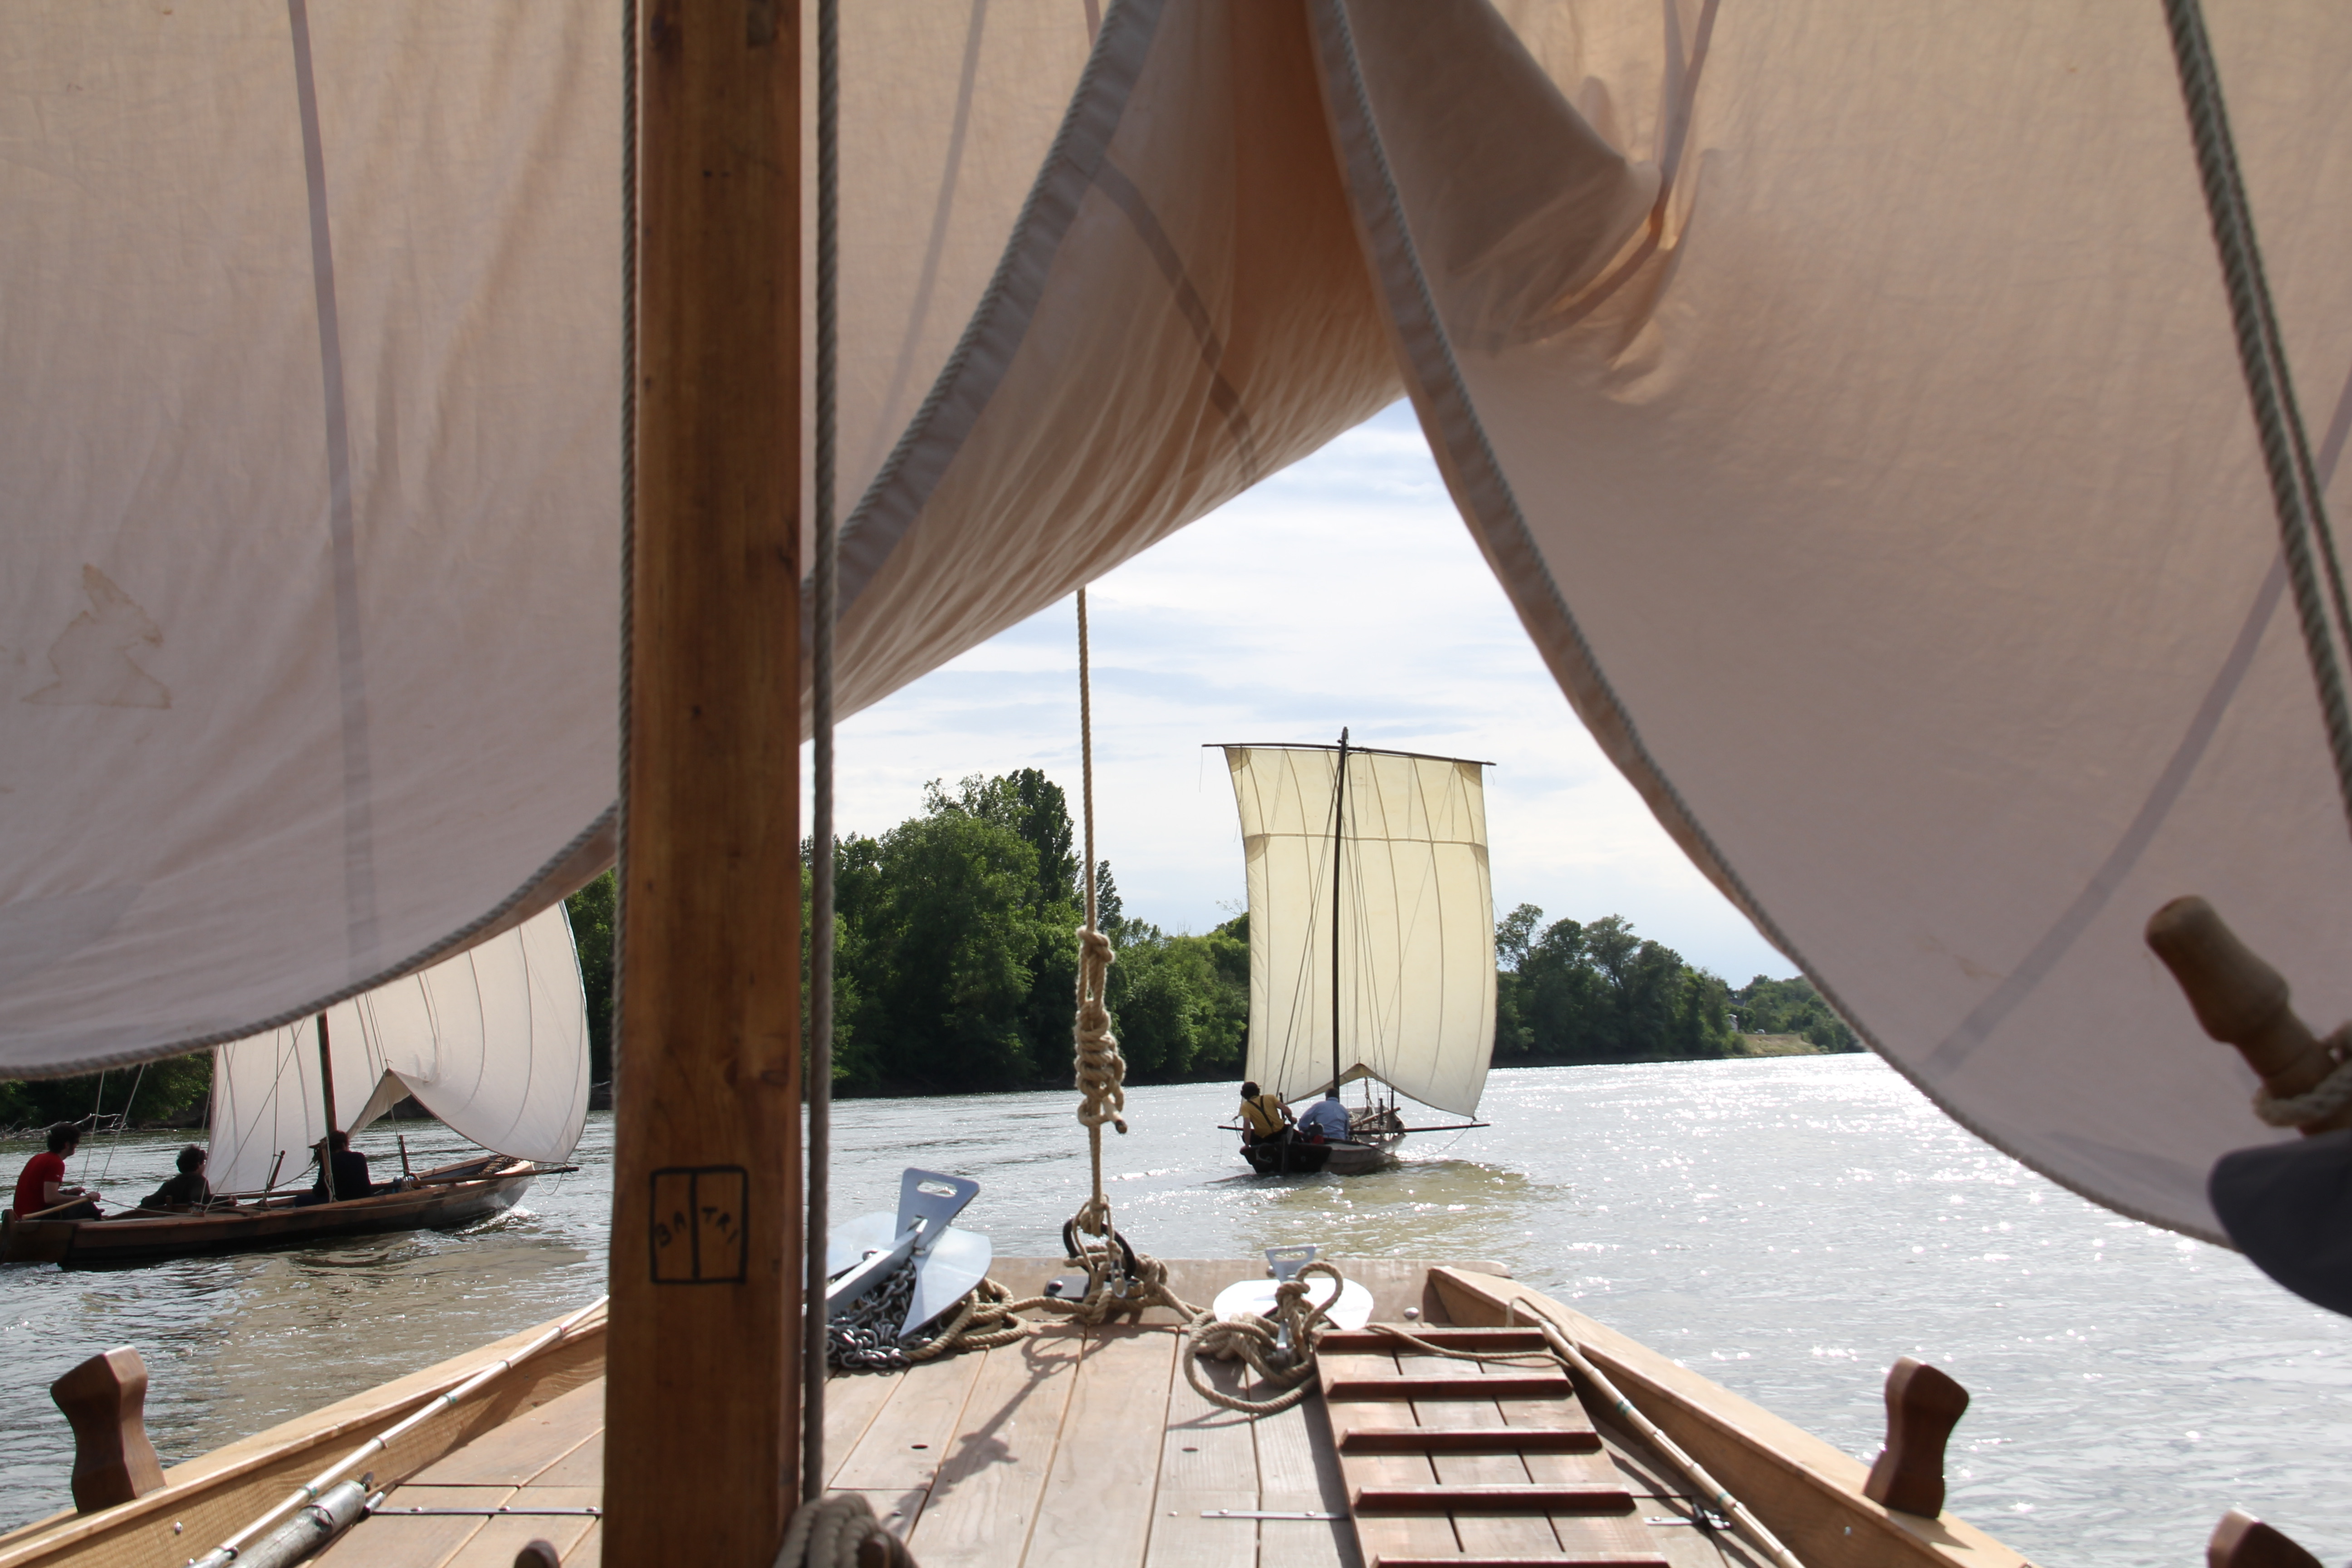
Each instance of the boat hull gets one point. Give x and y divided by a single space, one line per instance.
129 1240
1346 1158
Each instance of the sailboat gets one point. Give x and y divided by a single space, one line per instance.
493 1043
1878 486
1372 935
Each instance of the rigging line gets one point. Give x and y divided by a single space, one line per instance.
2305 539
122 1122
96 1105
818 1182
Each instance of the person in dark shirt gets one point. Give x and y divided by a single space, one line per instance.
350 1169
43 1187
188 1189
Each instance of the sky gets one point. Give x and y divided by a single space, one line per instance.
1344 590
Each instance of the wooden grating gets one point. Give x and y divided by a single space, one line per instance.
1471 1464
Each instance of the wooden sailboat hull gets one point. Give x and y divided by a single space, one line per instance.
135 1238
1346 1158
1338 1479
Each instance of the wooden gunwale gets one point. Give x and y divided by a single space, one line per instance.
1806 1492
998 1458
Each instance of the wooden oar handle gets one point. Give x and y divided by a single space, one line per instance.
2239 999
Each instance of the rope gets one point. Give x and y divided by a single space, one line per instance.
1719 1499
2322 1099
2305 539
1279 1346
827 606
121 1123
834 1533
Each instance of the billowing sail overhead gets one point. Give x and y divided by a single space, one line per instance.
1846 402
310 471
1416 922
494 1042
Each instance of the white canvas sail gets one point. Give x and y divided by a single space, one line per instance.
1846 400
494 1042
1416 922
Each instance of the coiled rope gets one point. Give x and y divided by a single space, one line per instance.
840 1531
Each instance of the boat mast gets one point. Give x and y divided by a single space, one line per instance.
1338 818
327 1095
702 1401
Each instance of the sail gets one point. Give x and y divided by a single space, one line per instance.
1416 922
494 1042
1847 403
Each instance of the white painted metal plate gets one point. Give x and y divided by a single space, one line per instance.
1254 1297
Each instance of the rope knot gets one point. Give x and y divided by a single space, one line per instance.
1101 1070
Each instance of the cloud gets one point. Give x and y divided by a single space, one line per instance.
1345 590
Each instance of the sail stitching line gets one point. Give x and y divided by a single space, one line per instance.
2170 784
1113 182
361 934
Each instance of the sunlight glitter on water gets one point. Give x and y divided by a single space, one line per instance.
1790 1227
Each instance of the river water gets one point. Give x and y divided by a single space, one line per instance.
1789 1226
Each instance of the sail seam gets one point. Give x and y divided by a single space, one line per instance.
363 932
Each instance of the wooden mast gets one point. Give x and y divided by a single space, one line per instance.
702 1405
1338 825
327 1098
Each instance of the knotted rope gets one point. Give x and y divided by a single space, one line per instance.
840 1531
2322 1099
1279 1346
1102 1070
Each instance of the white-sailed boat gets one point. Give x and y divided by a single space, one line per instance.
1372 931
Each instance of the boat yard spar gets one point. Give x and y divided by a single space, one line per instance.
1371 933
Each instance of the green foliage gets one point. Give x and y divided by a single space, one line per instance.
173 1089
956 954
1792 1006
1180 1005
1599 993
593 914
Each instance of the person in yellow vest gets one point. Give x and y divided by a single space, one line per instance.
1265 1119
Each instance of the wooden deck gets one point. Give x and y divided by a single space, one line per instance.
1084 1448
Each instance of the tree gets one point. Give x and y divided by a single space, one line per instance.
593 911
1792 1006
1601 993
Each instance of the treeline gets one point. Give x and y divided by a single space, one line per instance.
1570 992
956 965
956 969
172 1092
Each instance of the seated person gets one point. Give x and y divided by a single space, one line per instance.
350 1168
1326 1120
1265 1119
188 1190
43 1185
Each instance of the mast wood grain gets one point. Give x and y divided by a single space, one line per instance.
702 1403
1922 1406
2241 1001
105 1401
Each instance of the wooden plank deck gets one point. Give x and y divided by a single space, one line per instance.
1071 1447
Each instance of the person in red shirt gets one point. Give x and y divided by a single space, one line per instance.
43 1185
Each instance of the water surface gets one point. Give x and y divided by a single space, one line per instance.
1788 1226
